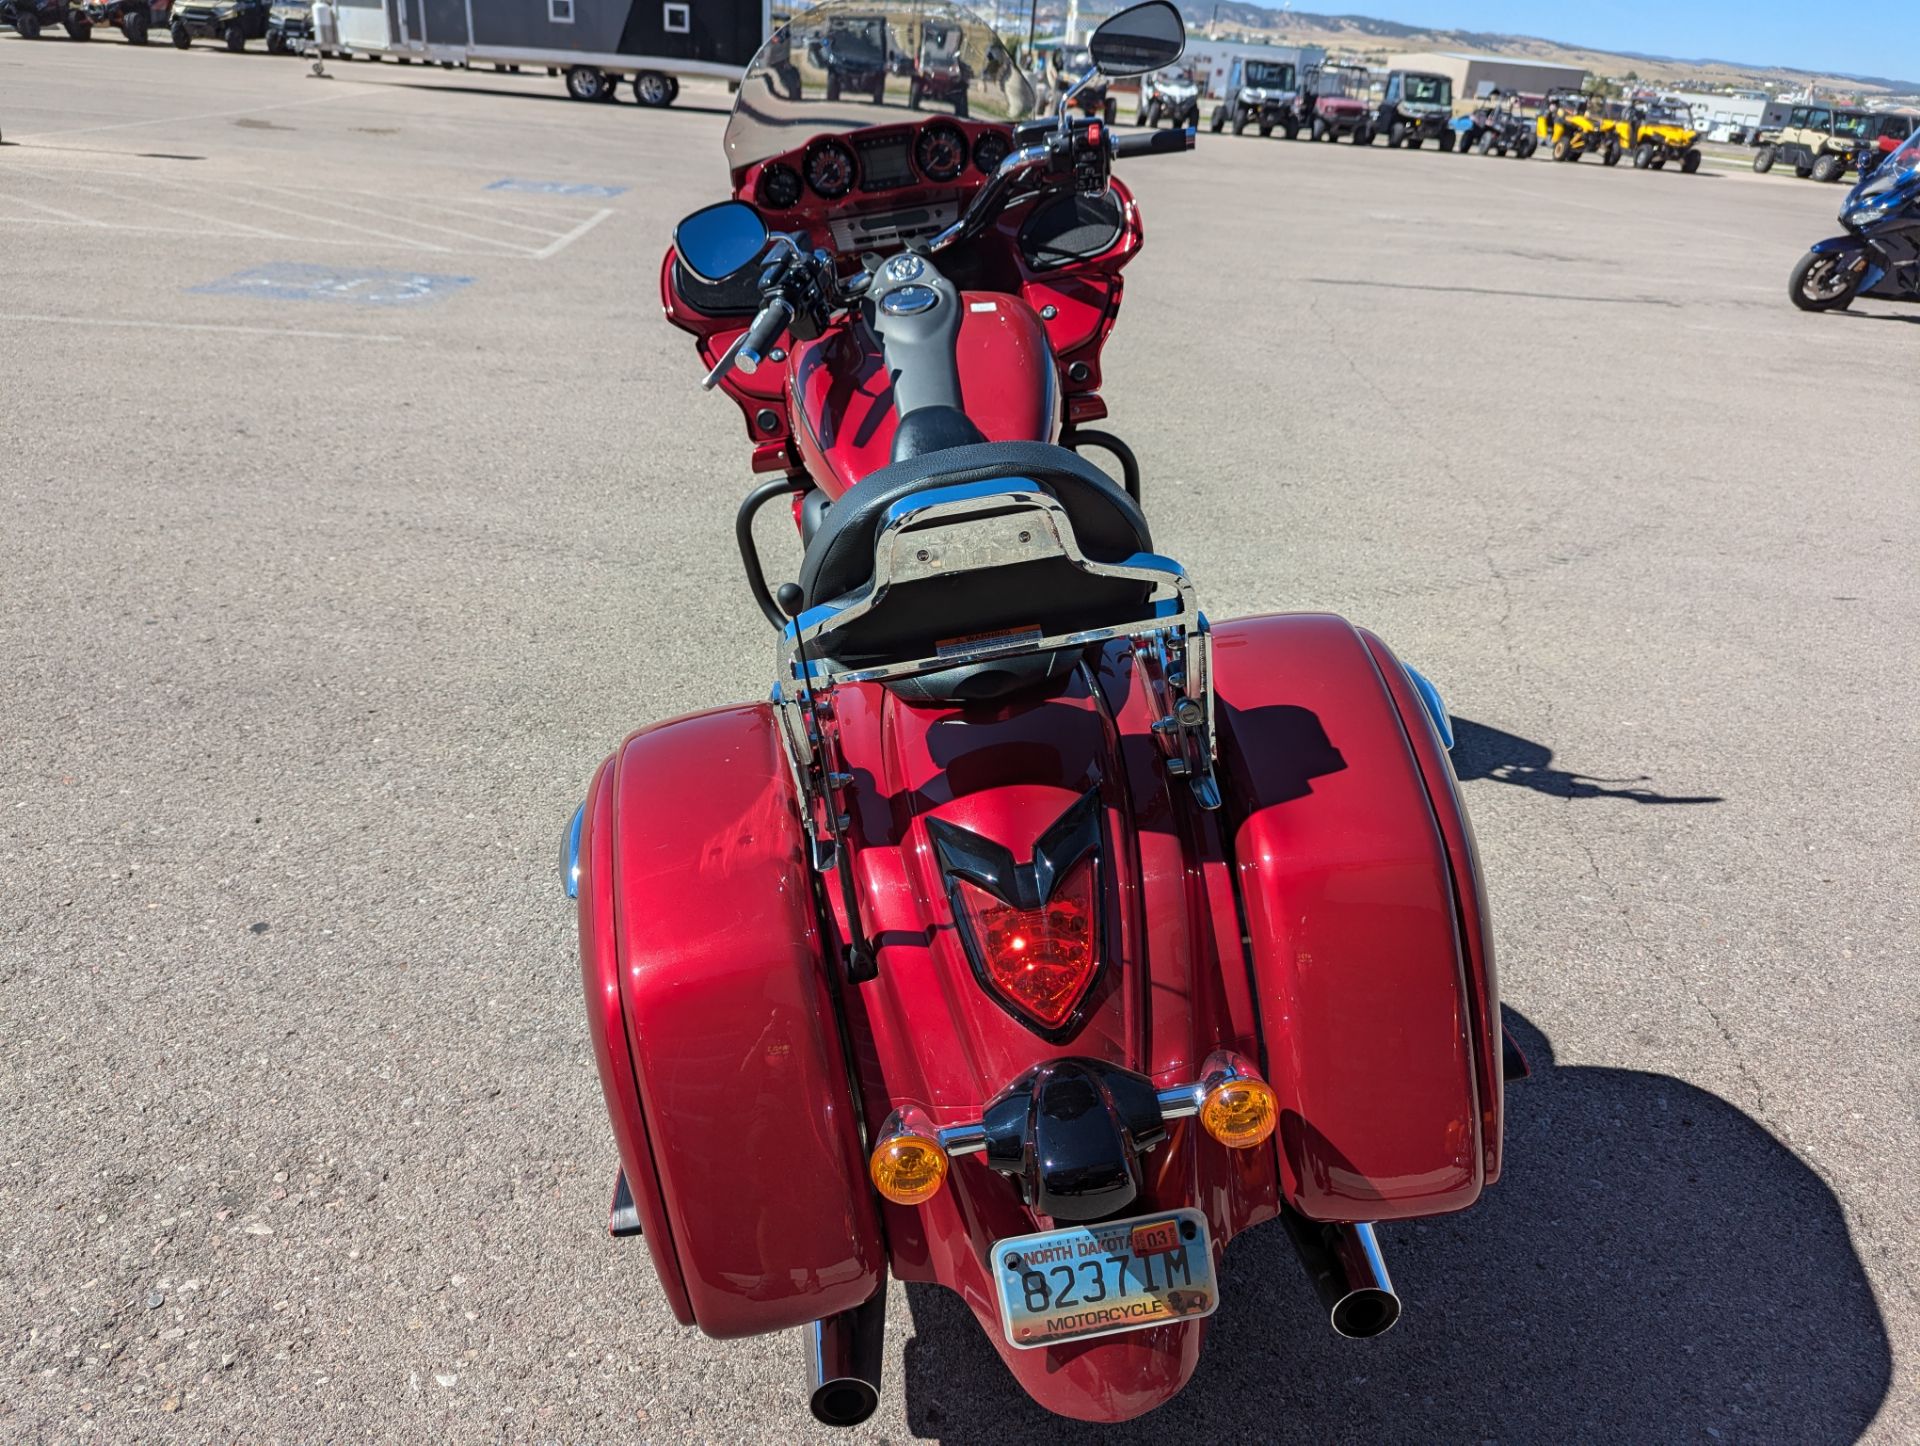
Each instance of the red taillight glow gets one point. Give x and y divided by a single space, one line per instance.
1041 960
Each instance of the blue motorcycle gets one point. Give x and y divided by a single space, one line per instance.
1880 254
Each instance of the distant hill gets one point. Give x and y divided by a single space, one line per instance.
1364 35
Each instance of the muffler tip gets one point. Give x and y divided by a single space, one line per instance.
844 1401
1364 1313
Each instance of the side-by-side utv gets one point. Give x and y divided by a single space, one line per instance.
1334 103
1416 107
1504 125
1574 124
1259 92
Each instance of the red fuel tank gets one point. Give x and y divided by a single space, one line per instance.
843 396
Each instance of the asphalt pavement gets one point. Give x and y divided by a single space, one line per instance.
356 500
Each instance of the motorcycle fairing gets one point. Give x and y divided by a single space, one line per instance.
1084 299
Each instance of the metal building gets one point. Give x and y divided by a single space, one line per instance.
1470 70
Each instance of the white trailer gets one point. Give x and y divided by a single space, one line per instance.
594 43
1212 61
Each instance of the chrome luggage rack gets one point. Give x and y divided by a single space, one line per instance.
971 527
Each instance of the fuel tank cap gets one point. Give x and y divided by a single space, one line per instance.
906 300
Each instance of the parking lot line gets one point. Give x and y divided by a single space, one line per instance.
312 218
222 221
50 210
547 232
513 246
572 236
113 321
174 120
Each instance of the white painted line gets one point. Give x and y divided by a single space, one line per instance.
213 235
200 326
50 210
572 236
547 212
173 120
410 241
516 246
180 211
546 232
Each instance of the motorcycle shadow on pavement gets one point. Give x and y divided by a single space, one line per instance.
1483 752
1653 1265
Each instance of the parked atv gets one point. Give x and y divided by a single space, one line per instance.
233 22
1260 92
30 17
1171 98
1658 131
1817 141
1575 124
1505 126
940 75
853 53
1416 107
289 26
134 19
1334 103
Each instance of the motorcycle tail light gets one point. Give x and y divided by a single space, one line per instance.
908 1169
1041 961
1240 1113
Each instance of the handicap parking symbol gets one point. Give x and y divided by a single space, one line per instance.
559 188
357 286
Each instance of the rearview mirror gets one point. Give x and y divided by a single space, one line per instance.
718 240
1138 39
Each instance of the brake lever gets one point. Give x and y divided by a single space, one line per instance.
725 364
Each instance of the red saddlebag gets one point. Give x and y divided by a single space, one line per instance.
713 1025
1373 972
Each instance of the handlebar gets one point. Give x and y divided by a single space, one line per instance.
1152 143
749 349
771 321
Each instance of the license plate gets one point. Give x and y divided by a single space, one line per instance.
1098 1280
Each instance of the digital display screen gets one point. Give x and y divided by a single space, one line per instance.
884 165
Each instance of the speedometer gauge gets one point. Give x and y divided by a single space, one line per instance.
940 151
990 150
830 170
779 187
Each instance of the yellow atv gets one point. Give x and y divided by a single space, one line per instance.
1656 132
1573 124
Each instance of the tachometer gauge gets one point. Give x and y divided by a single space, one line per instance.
940 151
990 150
830 170
779 187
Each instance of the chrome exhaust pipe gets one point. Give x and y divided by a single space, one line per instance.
1347 1269
843 1362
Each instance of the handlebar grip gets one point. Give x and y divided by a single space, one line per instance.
1155 142
771 321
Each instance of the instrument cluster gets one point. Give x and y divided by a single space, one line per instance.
879 161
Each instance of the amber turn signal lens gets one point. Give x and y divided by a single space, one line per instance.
908 1169
1240 1113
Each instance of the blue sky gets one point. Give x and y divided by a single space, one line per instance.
1810 36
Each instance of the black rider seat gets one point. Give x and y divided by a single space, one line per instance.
921 616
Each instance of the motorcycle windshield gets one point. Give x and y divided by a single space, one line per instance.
847 65
1896 170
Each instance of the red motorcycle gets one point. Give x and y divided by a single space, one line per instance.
1036 936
